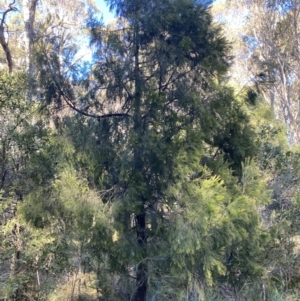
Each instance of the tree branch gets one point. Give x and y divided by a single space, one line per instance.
11 8
72 106
69 101
3 42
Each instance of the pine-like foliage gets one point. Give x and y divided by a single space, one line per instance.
160 74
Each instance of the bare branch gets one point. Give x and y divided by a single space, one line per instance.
3 42
11 8
69 103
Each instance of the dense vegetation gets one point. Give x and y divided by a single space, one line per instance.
153 158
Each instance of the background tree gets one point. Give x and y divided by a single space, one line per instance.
270 36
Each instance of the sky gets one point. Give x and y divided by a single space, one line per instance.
107 15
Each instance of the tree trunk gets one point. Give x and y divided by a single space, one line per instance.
142 268
6 49
29 8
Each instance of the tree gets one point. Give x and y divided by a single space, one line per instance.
29 11
271 42
153 68
155 91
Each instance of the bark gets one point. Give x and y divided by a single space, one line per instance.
29 9
272 98
6 49
142 268
4 170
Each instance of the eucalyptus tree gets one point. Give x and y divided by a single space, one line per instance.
29 26
271 44
29 12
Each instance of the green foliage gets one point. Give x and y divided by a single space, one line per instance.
215 221
228 129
